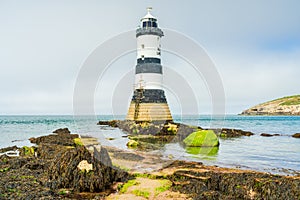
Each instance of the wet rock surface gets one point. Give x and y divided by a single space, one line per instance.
149 136
296 135
51 170
197 181
219 183
226 132
269 135
181 131
112 123
128 156
61 137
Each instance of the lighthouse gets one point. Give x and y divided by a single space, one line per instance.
149 102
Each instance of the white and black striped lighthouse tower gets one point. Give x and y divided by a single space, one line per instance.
149 102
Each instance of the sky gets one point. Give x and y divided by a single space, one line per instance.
254 45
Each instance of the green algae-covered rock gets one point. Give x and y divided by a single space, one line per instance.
205 151
202 138
132 144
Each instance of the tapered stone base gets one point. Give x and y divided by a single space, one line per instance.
150 112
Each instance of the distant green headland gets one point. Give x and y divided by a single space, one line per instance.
283 106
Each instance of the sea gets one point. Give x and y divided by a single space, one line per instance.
276 155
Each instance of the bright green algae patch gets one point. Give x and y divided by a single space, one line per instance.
28 151
132 144
78 142
206 151
141 193
165 185
123 188
202 138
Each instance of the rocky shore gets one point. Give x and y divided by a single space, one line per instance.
64 166
170 179
191 180
59 166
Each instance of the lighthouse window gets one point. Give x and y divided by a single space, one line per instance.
144 24
154 24
143 46
148 24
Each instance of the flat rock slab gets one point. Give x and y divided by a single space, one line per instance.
137 161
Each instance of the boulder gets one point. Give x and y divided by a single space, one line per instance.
266 135
66 171
60 137
185 130
206 151
228 133
62 131
112 123
132 144
296 135
202 138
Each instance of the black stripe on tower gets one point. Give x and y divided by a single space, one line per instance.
148 68
150 96
149 31
148 60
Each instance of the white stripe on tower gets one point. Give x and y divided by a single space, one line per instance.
148 46
148 81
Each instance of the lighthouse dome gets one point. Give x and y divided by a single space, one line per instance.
148 16
149 20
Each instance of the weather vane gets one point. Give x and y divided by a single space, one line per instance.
149 9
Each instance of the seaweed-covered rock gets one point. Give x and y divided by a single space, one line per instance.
112 123
267 135
65 172
143 128
13 148
202 138
296 135
203 182
61 137
23 177
228 133
44 171
62 131
158 128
